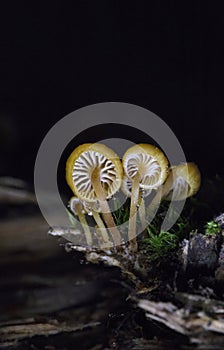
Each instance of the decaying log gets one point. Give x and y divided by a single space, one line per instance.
29 328
200 319
47 295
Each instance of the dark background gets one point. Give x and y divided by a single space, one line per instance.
164 56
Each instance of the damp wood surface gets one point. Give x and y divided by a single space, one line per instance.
51 299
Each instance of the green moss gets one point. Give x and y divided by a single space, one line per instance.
212 228
159 245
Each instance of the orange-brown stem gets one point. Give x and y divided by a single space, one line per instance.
141 212
107 216
84 224
154 204
133 213
102 230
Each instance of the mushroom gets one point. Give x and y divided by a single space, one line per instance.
77 208
146 166
183 181
94 209
94 173
127 188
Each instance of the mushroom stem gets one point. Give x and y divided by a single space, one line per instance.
160 194
107 216
154 204
84 224
133 213
141 212
102 229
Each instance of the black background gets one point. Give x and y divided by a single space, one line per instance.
60 56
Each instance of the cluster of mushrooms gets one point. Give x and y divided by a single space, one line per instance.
95 173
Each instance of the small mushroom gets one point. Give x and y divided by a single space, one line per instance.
127 188
146 166
94 173
183 181
77 208
94 209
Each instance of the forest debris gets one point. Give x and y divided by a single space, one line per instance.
120 259
219 273
221 256
165 313
146 344
220 220
198 318
202 252
68 233
33 328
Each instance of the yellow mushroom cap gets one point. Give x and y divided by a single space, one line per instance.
149 162
183 181
83 161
